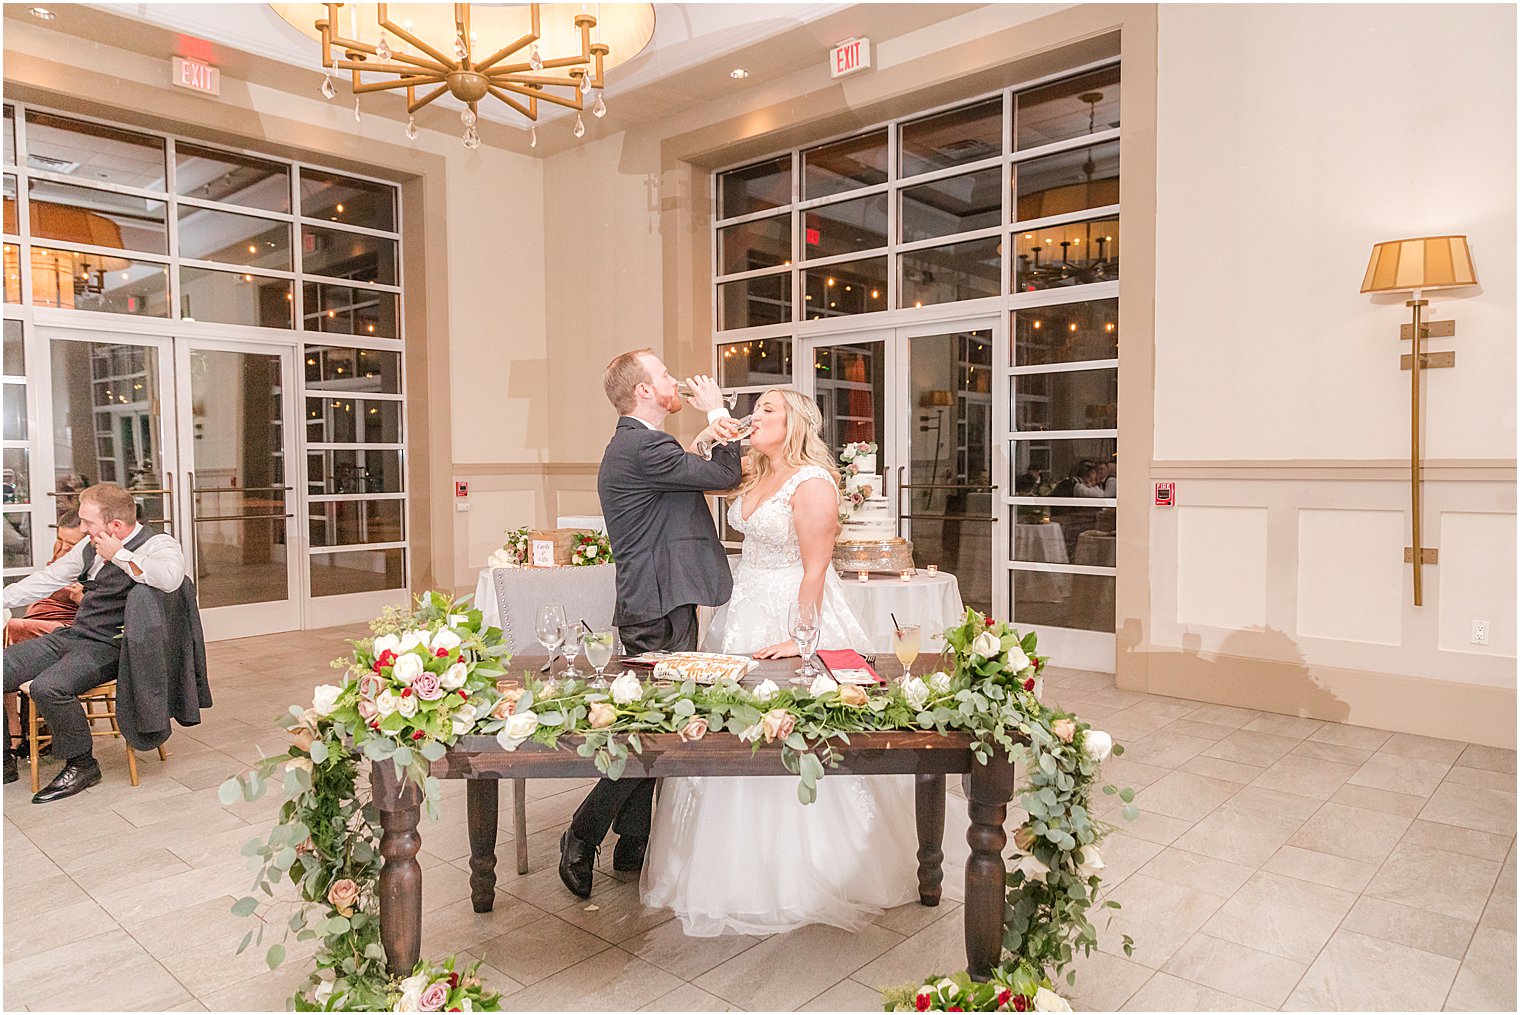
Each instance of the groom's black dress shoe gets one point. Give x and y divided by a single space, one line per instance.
76 777
628 854
575 859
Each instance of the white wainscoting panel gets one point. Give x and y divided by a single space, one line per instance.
1477 581
1350 575
1222 566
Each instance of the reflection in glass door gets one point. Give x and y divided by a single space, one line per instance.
235 428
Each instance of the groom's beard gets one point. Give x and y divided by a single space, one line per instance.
672 404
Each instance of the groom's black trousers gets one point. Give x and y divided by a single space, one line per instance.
627 805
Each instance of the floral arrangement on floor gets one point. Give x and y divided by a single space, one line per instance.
429 676
852 451
591 548
514 552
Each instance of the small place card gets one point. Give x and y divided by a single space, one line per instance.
859 677
543 553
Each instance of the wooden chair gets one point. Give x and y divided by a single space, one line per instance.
99 704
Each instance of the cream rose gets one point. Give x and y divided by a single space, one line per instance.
1049 1000
1099 745
445 639
386 642
939 682
1018 662
1034 869
407 667
304 764
987 645
1089 861
453 678
412 639
464 718
1065 729
411 992
386 702
343 895
520 727
822 684
777 724
694 730
325 698
765 689
917 693
627 688
407 705
601 715
455 619
301 737
852 696
508 703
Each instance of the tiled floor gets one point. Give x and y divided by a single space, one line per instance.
1278 863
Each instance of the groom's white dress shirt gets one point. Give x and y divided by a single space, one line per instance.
160 558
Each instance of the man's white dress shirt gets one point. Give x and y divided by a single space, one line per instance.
160 558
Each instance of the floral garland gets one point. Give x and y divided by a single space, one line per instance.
591 548
431 676
514 552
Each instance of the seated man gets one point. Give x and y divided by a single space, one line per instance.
49 614
117 553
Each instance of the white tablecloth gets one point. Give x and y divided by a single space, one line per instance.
509 598
1045 543
1096 547
594 522
931 601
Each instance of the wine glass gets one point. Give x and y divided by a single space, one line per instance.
802 624
906 642
573 635
550 626
598 646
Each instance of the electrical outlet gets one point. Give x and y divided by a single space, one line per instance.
1480 632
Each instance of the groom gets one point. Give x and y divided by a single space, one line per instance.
669 561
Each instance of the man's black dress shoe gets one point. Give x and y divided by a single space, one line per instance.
575 859
10 768
76 777
628 854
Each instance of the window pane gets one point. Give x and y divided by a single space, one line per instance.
1053 534
763 243
1077 253
12 274
100 218
359 471
850 385
17 476
957 205
60 145
949 274
845 165
1066 109
227 238
845 228
345 311
235 298
755 188
17 526
1081 601
334 574
106 422
764 361
10 136
115 285
353 256
856 287
1066 182
10 206
352 421
15 350
15 412
1063 464
1067 333
1069 400
751 302
341 523
235 179
346 200
340 369
968 134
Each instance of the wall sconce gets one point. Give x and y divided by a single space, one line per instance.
1413 266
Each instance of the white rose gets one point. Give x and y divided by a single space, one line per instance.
1034 869
453 677
304 764
408 705
325 698
822 684
412 639
627 688
386 703
940 682
1099 744
1018 662
323 992
411 993
384 642
752 733
987 645
464 719
445 639
765 689
591 551
455 619
501 559
1090 861
917 692
407 667
519 727
1049 1000
947 987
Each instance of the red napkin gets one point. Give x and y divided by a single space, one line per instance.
848 659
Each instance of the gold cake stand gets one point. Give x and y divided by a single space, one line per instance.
887 555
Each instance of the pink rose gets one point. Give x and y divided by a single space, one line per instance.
777 724
508 703
428 687
369 686
301 736
368 710
1065 729
343 895
436 995
694 730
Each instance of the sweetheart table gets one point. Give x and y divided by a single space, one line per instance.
928 756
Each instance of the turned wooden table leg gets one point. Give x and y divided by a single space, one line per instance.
520 822
930 807
400 887
481 799
991 788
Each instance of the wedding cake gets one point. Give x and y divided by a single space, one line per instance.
867 535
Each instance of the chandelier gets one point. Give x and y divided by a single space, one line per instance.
520 54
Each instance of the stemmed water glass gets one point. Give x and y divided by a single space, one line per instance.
573 633
599 646
803 625
550 627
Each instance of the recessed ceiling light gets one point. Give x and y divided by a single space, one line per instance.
41 12
738 73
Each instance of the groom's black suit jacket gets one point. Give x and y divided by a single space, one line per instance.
667 551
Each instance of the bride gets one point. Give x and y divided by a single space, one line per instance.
743 855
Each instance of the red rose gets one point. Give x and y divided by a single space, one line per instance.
922 1003
442 653
990 622
406 692
955 1007
374 724
1020 1003
416 734
453 980
1029 684
376 667
460 659
387 658
1003 996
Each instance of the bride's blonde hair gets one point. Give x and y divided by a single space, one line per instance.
803 444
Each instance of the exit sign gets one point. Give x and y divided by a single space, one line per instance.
197 76
849 56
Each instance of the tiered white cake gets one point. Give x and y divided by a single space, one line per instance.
871 518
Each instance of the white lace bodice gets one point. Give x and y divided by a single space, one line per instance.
770 534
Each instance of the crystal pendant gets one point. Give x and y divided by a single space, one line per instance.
411 129
471 138
357 118
599 108
585 83
532 137
328 89
467 117
580 126
535 62
383 48
461 48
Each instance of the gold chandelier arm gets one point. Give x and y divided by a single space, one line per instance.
508 50
574 103
462 26
504 97
406 70
402 33
407 82
412 107
536 79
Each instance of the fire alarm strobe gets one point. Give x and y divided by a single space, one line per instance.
1166 494
461 488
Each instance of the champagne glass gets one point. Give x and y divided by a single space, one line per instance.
598 646
550 625
803 624
906 642
573 634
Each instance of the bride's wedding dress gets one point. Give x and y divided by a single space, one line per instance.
744 855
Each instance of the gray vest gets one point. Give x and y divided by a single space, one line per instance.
103 610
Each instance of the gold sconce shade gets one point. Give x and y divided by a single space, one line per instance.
1427 262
